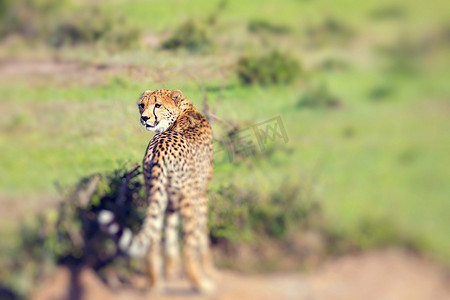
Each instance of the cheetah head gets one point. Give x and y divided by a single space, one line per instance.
159 109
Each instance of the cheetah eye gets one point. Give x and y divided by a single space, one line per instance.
141 105
157 105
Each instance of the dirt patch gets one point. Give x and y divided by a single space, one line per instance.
388 274
381 274
72 73
65 72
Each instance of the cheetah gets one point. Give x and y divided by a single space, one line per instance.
177 168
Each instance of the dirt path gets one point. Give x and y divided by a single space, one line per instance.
382 274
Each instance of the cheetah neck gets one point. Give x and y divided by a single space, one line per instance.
188 117
185 105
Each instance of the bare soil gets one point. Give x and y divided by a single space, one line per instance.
64 72
379 274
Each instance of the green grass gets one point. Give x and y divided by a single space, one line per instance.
379 159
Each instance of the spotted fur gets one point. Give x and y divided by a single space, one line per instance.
177 168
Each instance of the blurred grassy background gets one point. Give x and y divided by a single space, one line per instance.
361 89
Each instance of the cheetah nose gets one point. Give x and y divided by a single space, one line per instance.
144 118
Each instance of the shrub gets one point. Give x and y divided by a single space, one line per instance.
90 25
239 217
329 31
244 215
405 54
388 12
381 92
28 18
273 68
213 18
261 26
61 22
378 232
189 35
71 235
333 64
318 96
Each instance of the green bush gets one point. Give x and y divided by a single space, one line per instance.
239 217
213 17
334 64
189 35
318 96
61 23
330 31
381 92
373 232
90 25
388 12
272 68
242 215
405 54
28 18
262 26
71 235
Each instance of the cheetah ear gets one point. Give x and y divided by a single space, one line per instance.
176 96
